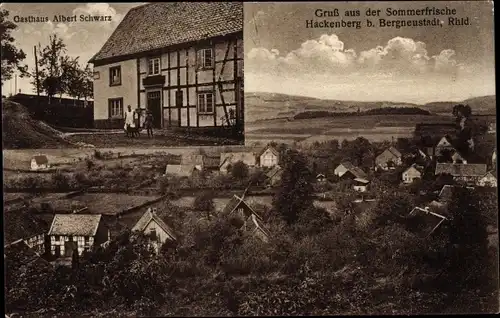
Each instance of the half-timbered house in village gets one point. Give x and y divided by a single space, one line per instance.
181 61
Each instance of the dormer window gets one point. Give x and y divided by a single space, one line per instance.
154 66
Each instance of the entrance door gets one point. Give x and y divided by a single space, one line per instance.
154 106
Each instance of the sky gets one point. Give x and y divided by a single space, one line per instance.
83 39
412 64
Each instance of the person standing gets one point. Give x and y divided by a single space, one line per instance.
148 123
129 120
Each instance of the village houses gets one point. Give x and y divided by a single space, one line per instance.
413 172
182 170
470 173
176 60
244 217
360 184
444 144
488 180
76 232
388 159
424 222
269 157
151 224
39 162
348 170
228 159
23 226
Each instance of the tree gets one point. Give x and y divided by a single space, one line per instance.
204 202
295 194
239 170
51 66
11 55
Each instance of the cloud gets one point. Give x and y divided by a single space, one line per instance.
327 54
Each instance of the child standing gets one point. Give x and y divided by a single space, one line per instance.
148 123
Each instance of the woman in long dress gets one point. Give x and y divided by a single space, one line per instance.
129 119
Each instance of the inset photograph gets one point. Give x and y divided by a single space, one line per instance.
123 75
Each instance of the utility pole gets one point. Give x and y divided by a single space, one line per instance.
36 74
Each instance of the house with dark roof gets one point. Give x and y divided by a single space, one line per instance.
388 159
183 61
245 218
183 170
446 193
80 232
347 170
228 159
423 222
274 176
154 226
269 157
470 173
27 227
39 162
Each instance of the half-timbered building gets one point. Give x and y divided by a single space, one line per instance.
182 61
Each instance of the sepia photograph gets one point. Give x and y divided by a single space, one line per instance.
123 75
349 169
384 114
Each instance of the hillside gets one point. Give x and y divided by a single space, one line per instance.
21 131
261 106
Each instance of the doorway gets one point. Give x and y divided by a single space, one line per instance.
154 106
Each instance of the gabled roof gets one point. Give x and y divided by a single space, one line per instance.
22 224
413 167
149 216
447 192
159 25
236 202
41 159
274 170
424 222
362 180
270 148
347 164
446 140
490 174
20 253
192 160
180 170
460 169
75 224
387 155
247 158
358 173
255 225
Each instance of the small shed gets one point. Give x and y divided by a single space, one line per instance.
39 162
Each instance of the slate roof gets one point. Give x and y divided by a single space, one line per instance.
389 154
423 222
460 169
22 224
159 25
274 170
149 216
232 157
447 192
75 224
180 170
41 159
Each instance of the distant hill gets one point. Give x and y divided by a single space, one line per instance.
261 106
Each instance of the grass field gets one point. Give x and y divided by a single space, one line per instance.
375 128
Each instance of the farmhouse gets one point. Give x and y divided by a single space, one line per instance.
412 173
26 227
488 180
269 157
360 184
423 222
39 162
274 176
151 224
228 159
244 217
388 159
70 232
180 170
196 160
470 173
444 144
181 61
347 169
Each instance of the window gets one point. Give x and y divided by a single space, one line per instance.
81 240
205 103
152 233
115 107
115 76
154 66
57 238
206 58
